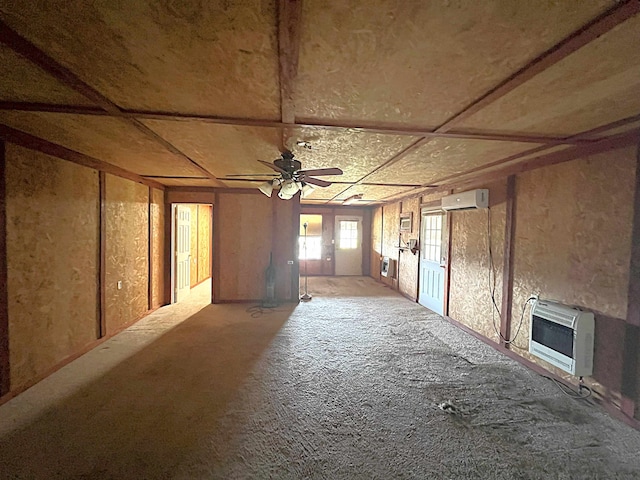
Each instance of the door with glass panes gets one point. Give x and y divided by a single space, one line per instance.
348 245
432 261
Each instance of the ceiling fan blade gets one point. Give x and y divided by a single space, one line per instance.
251 175
316 181
321 171
272 166
261 180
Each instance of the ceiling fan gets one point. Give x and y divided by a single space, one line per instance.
289 177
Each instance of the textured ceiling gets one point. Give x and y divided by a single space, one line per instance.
397 94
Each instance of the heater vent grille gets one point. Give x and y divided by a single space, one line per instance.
562 336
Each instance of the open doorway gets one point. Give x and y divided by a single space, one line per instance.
192 249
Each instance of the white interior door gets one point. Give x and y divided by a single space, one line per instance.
348 245
182 280
431 263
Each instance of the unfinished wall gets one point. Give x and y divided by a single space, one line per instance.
193 245
408 262
390 231
127 254
204 242
157 247
376 242
573 244
243 229
52 260
470 288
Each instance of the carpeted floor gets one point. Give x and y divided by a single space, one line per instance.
349 385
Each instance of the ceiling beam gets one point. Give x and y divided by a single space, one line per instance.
606 144
289 16
599 26
34 143
302 123
31 52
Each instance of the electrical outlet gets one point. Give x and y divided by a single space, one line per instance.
119 284
289 262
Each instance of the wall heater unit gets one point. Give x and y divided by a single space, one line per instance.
562 336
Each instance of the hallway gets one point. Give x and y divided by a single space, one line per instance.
345 386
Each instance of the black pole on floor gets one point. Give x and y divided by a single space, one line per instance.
306 297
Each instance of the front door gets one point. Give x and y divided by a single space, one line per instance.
183 252
348 245
431 263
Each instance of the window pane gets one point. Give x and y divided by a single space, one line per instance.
348 237
313 249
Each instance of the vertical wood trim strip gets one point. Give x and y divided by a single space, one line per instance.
447 270
102 286
630 387
168 222
295 268
5 373
215 272
150 252
211 247
633 302
507 267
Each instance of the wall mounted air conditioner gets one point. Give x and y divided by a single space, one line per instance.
562 336
466 200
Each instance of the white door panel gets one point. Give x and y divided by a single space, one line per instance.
348 245
183 253
431 293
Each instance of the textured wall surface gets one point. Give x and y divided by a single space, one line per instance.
573 244
52 258
244 232
408 264
127 235
470 288
390 231
157 248
204 242
376 241
193 245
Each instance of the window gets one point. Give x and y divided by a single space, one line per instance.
348 238
432 238
313 249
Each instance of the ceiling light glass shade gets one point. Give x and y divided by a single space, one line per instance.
288 189
266 188
306 190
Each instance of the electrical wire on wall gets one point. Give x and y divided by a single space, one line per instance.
492 291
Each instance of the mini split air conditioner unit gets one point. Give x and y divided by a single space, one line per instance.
466 200
562 336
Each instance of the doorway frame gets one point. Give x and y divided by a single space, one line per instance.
184 195
447 224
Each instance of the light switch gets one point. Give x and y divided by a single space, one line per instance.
119 284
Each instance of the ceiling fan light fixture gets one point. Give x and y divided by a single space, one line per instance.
306 190
288 189
266 188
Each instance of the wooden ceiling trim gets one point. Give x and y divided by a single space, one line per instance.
605 144
28 50
301 123
527 153
34 143
289 16
592 30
